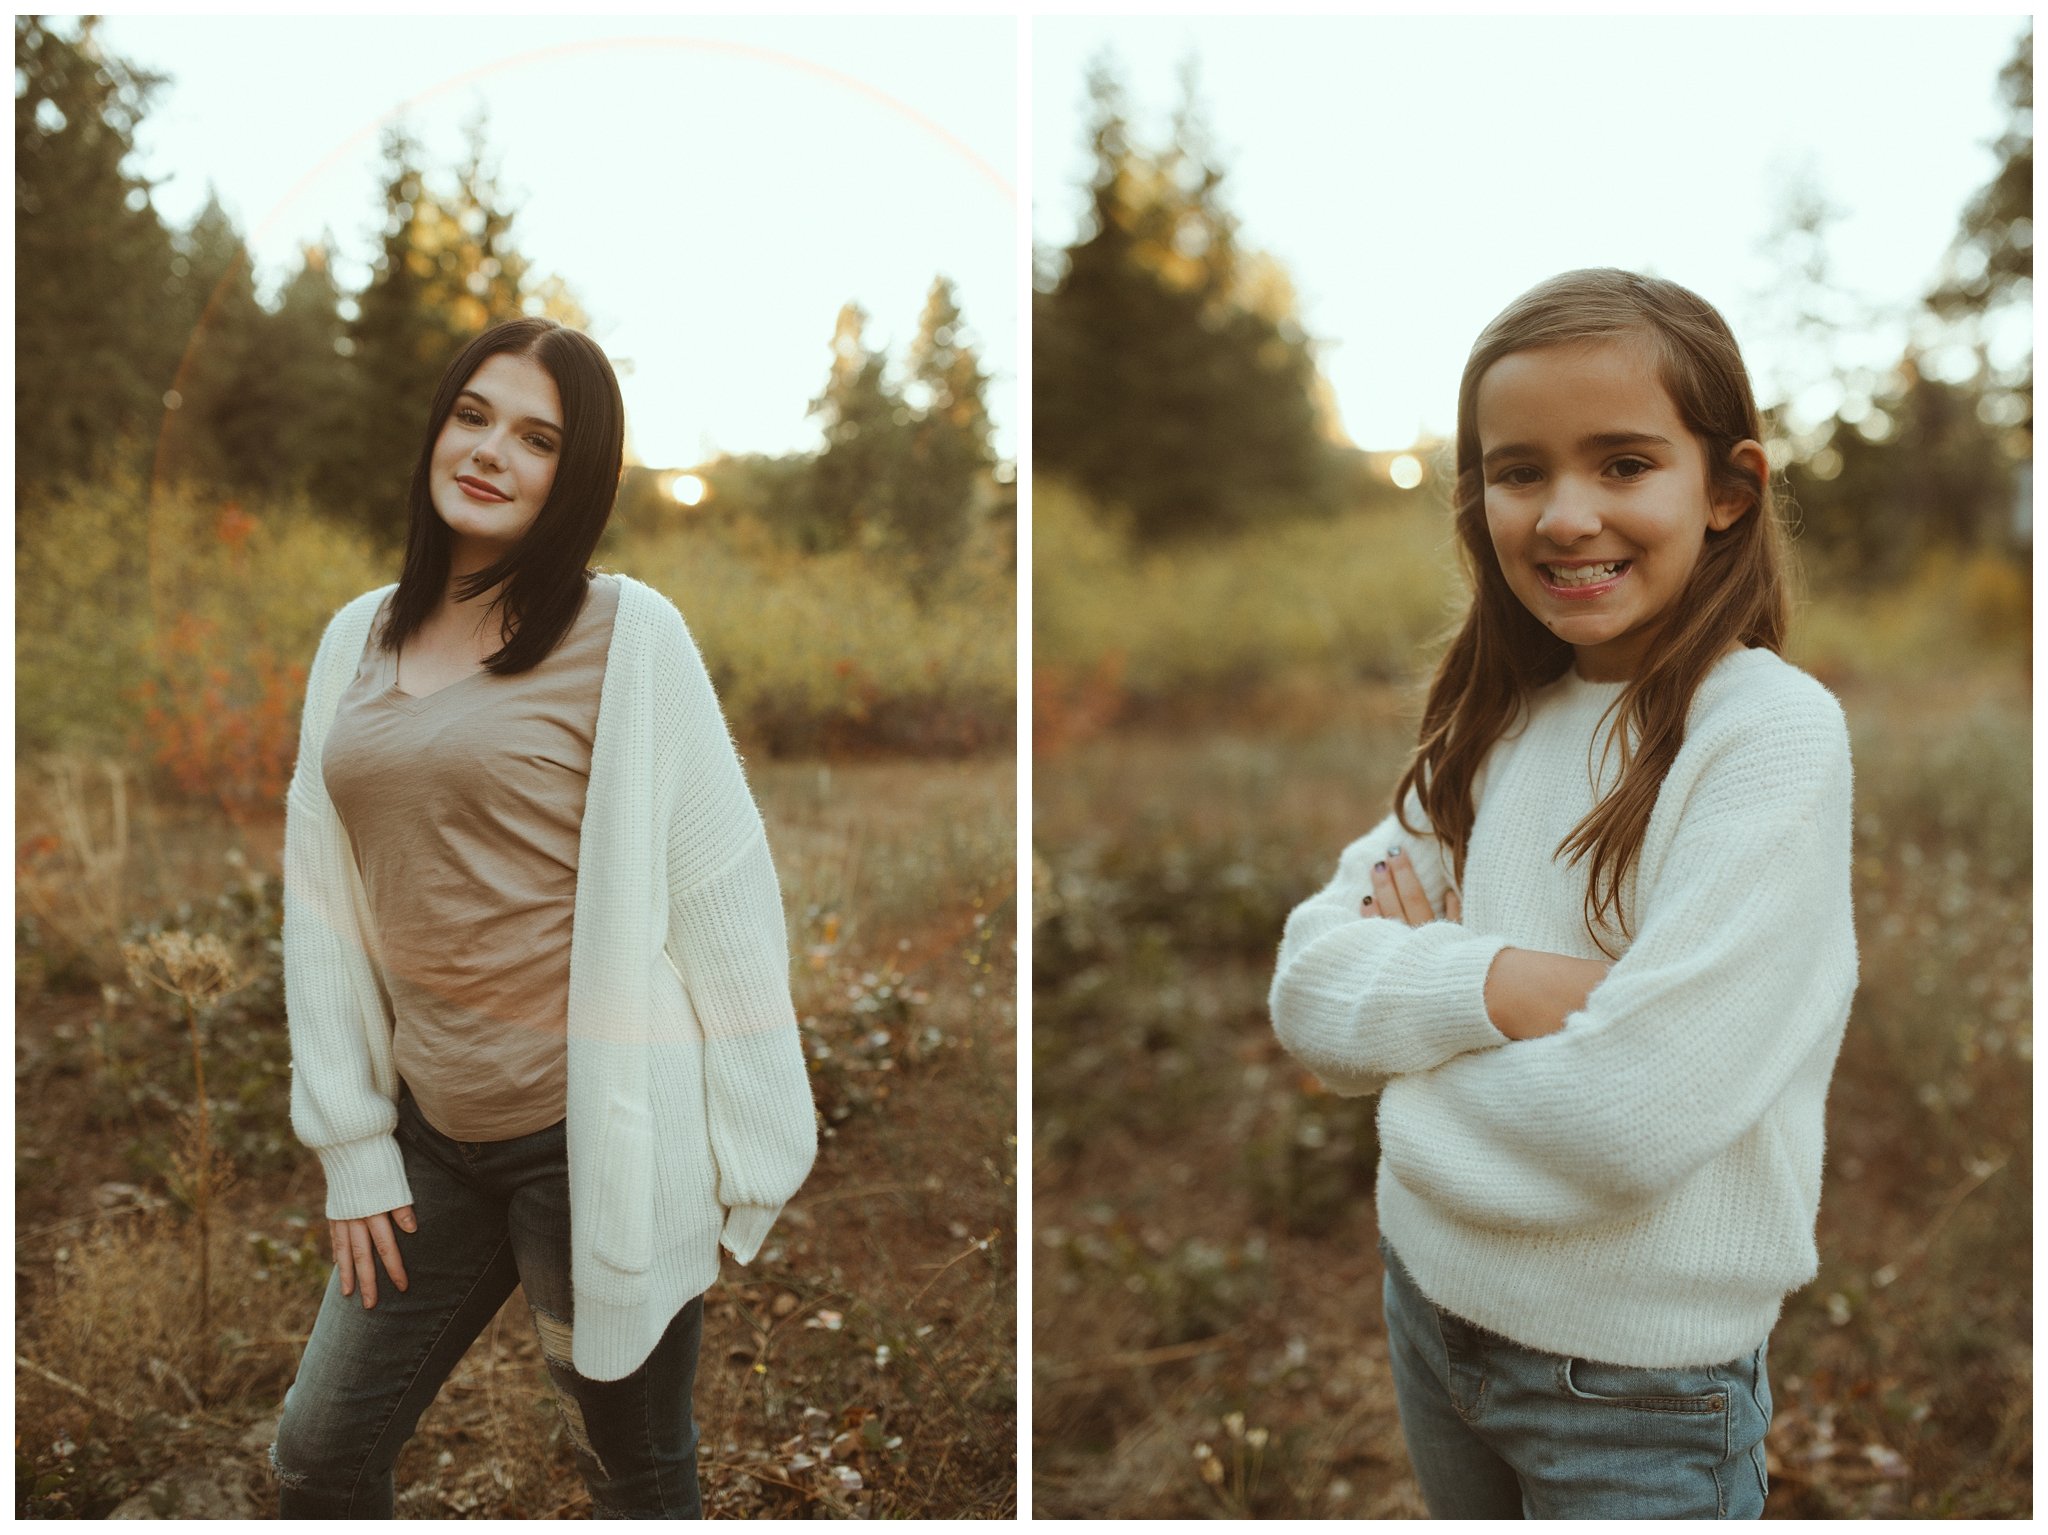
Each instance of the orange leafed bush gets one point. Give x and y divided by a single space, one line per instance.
174 623
221 716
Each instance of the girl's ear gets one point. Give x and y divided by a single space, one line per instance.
1728 507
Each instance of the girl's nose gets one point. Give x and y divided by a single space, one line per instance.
1568 515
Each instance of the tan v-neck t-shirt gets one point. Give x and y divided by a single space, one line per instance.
465 810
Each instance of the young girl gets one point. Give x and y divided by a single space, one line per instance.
535 965
1599 961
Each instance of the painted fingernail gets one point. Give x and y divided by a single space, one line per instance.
1393 852
1368 900
1380 868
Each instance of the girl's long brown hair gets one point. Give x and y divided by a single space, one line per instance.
1501 653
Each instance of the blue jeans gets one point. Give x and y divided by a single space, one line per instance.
491 1215
1497 1430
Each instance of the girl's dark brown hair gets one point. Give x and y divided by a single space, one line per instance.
1501 653
546 574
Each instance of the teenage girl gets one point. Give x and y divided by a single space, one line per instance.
1599 961
536 972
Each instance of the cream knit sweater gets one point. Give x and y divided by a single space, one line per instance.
1641 1187
690 1118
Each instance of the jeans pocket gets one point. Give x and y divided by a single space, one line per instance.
1700 1390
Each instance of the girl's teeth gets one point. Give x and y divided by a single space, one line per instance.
1584 575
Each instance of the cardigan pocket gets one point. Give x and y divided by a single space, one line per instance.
623 1233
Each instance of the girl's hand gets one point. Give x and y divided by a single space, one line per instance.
1397 893
353 1241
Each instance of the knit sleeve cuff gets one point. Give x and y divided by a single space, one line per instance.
746 1228
1456 1007
365 1177
1421 1004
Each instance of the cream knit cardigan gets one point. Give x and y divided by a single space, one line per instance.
689 1115
1642 1186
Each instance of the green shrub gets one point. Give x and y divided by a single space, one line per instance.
816 652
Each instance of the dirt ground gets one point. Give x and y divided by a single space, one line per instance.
863 1365
1207 1330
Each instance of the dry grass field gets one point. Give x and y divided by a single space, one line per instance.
1207 1336
863 1365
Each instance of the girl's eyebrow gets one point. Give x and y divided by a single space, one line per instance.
1586 445
530 420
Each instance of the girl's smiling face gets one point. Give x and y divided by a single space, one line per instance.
1597 494
494 461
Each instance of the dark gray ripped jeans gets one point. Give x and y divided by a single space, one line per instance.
491 1215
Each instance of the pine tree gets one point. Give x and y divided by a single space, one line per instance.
1989 269
484 272
1920 464
399 340
216 434
447 270
850 493
948 454
298 350
1171 376
94 348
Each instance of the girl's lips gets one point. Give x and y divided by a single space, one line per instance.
476 492
1583 593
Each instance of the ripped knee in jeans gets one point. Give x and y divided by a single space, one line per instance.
557 1337
558 1344
279 1473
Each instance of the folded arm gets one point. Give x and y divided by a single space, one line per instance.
1531 992
1745 959
1359 1001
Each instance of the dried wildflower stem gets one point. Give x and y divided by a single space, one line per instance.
202 1182
979 1246
115 1409
195 971
1145 1358
1924 1243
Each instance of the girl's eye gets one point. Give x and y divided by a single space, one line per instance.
541 443
467 416
1631 468
1507 476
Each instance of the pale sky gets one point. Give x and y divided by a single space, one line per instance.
712 189
1414 175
